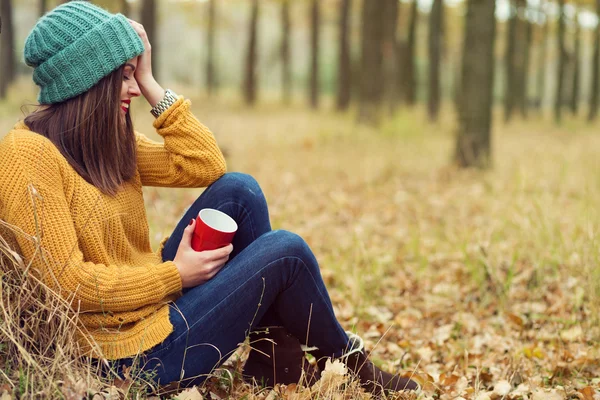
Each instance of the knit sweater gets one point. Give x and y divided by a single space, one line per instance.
94 249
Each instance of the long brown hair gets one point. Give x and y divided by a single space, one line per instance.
90 133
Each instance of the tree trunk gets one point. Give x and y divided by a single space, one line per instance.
517 59
314 45
148 20
576 67
410 70
250 75
477 78
595 70
43 7
211 79
541 67
371 84
561 62
390 53
7 51
125 8
344 88
524 75
286 71
509 61
436 32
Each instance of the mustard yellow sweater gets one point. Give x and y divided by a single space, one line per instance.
95 248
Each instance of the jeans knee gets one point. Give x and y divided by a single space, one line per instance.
240 185
291 244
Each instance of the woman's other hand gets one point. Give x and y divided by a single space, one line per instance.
151 90
143 72
195 267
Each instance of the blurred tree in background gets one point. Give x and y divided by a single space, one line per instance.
211 78
436 35
7 54
475 98
314 46
371 82
372 58
286 75
148 18
595 70
251 56
391 56
344 63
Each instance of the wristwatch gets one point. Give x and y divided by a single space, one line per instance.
164 104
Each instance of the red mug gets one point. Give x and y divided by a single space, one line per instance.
214 229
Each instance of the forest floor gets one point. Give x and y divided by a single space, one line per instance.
481 285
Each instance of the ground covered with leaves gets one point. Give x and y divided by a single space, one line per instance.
482 285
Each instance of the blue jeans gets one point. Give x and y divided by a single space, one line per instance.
272 278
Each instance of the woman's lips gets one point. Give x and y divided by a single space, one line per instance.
125 108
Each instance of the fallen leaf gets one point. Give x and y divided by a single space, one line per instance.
502 388
572 334
189 394
587 392
552 394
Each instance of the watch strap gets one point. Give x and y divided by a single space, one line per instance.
167 101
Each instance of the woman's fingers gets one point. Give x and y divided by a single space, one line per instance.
212 255
214 268
139 28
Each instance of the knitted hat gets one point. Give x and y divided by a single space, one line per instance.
74 46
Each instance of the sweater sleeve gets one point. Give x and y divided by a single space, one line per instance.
189 156
36 204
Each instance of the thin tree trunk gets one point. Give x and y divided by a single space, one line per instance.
371 84
410 69
595 70
286 71
576 67
314 65
436 32
344 88
250 75
475 114
561 62
390 53
517 60
43 7
541 76
7 50
524 75
148 20
509 62
211 79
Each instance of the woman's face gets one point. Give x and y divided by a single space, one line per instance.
130 87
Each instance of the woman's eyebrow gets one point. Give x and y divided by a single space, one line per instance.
130 65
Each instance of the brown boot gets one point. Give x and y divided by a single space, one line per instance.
373 379
277 357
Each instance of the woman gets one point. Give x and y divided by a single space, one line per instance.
71 181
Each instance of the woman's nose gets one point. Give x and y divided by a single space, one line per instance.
134 90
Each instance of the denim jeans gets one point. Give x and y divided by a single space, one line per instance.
272 278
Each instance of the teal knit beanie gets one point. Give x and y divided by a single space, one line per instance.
74 46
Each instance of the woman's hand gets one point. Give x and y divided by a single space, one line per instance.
143 72
195 267
151 90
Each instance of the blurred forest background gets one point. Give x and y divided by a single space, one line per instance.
357 117
527 56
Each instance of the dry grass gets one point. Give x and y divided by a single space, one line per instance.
476 280
38 357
